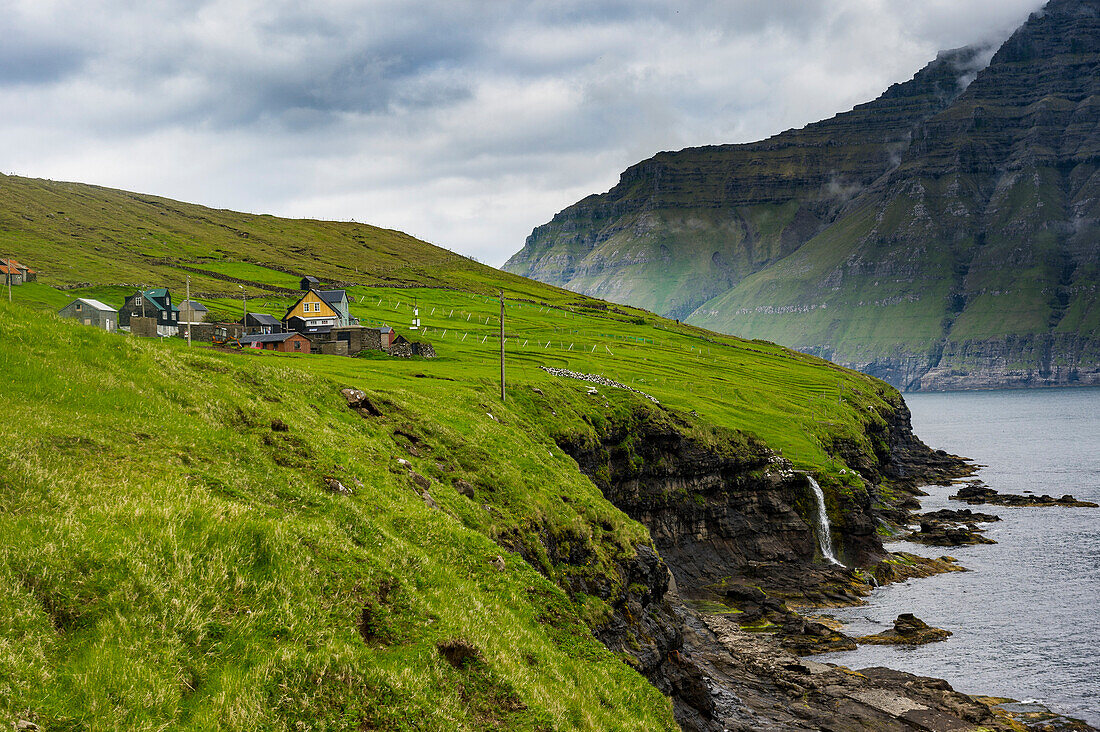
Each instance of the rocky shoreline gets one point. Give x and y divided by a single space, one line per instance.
726 617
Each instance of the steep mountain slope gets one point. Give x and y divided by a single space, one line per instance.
971 259
683 226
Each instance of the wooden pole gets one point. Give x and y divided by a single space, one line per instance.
502 345
191 308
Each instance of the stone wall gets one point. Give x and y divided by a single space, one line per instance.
144 327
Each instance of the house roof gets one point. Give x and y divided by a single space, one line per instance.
95 304
312 280
16 265
332 297
265 319
156 296
194 305
269 337
386 329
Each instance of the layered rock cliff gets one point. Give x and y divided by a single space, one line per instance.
723 512
943 236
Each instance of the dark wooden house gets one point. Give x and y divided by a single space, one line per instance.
155 303
262 323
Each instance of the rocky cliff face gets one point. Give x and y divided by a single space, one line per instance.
943 236
725 510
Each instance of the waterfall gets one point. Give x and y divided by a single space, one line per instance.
824 535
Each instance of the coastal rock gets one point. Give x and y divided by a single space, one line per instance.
901 566
908 630
779 691
946 533
962 515
977 494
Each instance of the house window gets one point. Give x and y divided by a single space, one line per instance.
137 301
297 345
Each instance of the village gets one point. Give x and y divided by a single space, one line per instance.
319 322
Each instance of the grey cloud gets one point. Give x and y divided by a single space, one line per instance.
37 64
430 115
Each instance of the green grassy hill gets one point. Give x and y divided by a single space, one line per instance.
173 553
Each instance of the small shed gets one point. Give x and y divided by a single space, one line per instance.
309 283
15 273
192 313
262 323
12 275
282 342
91 312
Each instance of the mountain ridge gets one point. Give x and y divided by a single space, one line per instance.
969 260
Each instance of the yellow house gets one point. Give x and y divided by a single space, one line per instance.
312 306
319 311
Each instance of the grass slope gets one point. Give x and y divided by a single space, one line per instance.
170 556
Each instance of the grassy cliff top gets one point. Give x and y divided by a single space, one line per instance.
172 551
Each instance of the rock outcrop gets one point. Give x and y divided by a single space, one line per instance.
908 630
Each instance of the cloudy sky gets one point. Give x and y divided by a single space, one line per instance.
463 123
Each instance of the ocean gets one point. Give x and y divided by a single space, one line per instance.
1026 619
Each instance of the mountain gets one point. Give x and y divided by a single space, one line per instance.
942 236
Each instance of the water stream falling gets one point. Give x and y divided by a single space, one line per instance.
824 535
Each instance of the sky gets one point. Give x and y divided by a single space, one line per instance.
463 123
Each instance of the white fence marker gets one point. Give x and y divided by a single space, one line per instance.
464 336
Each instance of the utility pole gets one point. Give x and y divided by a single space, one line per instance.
191 308
7 266
244 301
502 345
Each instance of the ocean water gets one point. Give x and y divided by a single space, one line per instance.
1026 619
